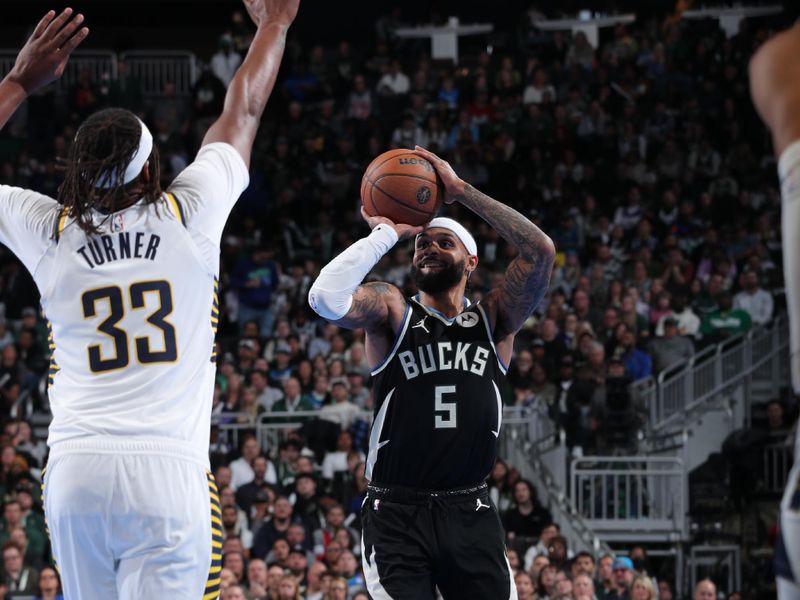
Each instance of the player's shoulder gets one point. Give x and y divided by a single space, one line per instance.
213 163
28 195
225 155
34 208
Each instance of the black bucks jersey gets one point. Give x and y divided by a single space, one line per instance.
437 402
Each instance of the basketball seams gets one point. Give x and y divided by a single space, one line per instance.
433 181
374 212
395 199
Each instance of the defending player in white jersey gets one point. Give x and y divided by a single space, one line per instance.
775 89
127 275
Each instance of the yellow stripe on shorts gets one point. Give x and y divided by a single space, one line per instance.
212 583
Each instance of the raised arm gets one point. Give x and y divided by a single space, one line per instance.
41 60
527 277
339 296
775 86
775 89
254 79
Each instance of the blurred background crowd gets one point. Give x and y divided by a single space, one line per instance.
643 159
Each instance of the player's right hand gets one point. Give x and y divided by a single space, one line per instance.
453 184
44 56
281 12
403 230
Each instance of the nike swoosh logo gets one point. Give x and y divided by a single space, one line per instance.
496 433
382 444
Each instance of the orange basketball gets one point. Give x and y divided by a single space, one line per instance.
403 187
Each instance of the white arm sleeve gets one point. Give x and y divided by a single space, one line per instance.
789 172
331 295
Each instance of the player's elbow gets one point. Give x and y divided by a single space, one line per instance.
329 304
547 249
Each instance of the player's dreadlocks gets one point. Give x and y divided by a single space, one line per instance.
101 151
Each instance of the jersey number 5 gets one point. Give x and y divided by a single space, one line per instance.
113 296
448 420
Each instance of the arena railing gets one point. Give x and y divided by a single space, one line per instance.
776 462
532 443
153 68
272 428
754 359
101 66
156 68
631 498
231 426
725 560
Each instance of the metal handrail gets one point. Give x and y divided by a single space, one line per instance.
154 68
635 493
679 389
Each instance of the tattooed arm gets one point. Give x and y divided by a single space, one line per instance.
339 296
370 309
527 277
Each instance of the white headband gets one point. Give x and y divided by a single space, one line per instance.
460 231
108 178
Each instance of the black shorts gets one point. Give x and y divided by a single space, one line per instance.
415 542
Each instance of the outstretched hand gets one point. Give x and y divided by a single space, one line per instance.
403 231
453 184
45 54
281 12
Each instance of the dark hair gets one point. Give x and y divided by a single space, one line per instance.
104 146
54 570
304 476
10 544
531 489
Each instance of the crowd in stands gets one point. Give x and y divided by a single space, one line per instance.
643 159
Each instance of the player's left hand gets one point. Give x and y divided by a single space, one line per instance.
453 184
45 54
403 230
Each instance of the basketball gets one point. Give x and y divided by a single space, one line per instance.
403 187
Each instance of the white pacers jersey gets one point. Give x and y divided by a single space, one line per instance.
133 309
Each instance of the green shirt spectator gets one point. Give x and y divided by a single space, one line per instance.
726 321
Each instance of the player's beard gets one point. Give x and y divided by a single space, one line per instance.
440 281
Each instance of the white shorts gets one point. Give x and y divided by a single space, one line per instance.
131 520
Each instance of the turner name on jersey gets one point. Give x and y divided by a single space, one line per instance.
109 248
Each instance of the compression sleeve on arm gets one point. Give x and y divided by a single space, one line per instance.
331 295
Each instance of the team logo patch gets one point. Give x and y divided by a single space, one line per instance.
117 223
480 505
467 320
423 194
421 325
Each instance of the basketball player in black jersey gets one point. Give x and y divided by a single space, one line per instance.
437 365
